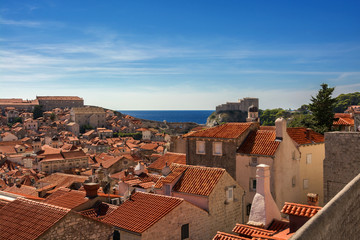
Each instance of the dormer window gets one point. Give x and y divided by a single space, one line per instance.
217 148
200 147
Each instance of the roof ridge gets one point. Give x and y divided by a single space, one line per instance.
43 203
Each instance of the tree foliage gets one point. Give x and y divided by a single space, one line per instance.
52 116
343 101
322 108
268 116
38 111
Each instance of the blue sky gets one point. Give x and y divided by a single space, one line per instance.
179 54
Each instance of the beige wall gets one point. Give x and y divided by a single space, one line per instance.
223 214
245 171
313 171
169 227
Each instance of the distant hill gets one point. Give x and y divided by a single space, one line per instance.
343 101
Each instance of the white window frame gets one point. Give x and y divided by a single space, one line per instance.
305 183
308 158
198 144
230 194
216 147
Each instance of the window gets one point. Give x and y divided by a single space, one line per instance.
200 147
253 184
217 148
248 209
293 181
254 162
306 183
230 194
185 231
308 158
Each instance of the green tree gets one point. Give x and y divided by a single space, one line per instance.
268 116
38 111
52 117
322 108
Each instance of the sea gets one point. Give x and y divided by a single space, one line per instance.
196 116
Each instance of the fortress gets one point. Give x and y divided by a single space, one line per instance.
241 105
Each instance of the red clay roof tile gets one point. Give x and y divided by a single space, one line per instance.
303 135
300 209
260 142
227 236
168 158
69 199
134 215
27 219
247 230
227 130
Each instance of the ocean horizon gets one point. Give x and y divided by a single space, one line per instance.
196 116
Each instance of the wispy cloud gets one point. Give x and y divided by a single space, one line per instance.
22 23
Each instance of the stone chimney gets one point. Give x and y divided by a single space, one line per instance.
263 208
139 168
313 199
166 170
91 189
280 125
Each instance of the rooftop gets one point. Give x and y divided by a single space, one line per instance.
134 214
260 142
303 135
227 130
168 158
300 209
27 219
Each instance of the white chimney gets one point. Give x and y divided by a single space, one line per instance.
280 125
263 208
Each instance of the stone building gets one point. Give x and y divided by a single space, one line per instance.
211 189
342 161
28 219
152 216
216 147
93 116
51 102
18 103
57 162
241 105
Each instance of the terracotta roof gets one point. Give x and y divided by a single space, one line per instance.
343 119
300 209
247 230
28 190
142 211
70 199
149 146
227 130
278 225
27 219
227 236
260 142
108 163
68 98
303 135
99 211
168 158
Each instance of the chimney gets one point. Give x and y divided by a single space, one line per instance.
280 125
263 209
166 170
308 133
18 182
91 189
313 199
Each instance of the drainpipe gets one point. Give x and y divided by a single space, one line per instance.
242 204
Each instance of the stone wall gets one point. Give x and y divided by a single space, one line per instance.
224 214
169 227
342 161
228 158
339 219
241 105
76 226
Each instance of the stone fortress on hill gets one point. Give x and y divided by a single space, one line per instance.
241 105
